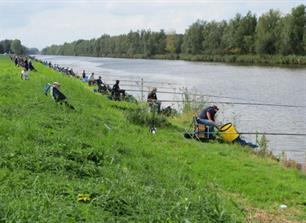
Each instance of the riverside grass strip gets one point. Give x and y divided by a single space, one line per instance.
50 155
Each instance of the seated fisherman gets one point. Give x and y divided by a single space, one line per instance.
207 117
25 74
116 91
101 86
58 96
91 79
152 100
31 67
84 75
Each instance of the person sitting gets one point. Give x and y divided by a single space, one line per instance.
84 75
25 74
91 79
58 96
31 67
101 86
152 100
207 117
16 61
117 92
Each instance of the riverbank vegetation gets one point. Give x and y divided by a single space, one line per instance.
96 164
15 47
272 38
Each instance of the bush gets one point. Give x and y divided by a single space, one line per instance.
144 118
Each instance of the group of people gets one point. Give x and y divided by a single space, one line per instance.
26 65
205 116
53 88
116 93
65 70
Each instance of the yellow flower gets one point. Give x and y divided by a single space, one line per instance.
84 197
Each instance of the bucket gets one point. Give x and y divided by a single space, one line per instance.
228 132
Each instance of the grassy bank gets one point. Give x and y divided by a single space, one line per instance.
50 155
249 59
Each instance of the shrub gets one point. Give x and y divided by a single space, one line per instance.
142 117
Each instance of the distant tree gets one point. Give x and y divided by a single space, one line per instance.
31 51
1 48
16 47
239 34
231 39
193 38
268 33
246 33
133 43
171 42
212 37
293 31
178 43
6 45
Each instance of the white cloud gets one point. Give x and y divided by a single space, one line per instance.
54 22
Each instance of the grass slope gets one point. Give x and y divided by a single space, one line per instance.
50 154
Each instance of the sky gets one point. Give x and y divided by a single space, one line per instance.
41 23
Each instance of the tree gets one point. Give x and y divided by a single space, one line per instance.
193 38
268 32
6 45
231 39
16 47
171 42
293 31
239 34
212 37
246 33
31 51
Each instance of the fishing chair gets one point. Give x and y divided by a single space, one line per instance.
200 130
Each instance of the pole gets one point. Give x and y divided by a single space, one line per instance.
142 89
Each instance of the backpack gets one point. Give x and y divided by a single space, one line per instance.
47 88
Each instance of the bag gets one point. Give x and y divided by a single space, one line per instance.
47 88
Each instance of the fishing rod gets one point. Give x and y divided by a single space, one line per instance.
145 86
265 133
191 94
239 103
136 80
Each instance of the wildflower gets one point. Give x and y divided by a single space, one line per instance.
84 197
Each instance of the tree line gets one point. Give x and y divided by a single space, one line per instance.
15 46
271 34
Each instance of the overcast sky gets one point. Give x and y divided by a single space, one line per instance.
40 23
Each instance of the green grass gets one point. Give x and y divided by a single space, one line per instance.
50 154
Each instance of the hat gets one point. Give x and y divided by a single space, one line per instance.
56 83
215 107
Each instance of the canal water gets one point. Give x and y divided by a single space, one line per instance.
224 83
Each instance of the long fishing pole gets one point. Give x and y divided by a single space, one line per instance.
181 93
240 103
146 86
266 133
